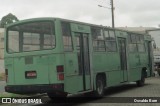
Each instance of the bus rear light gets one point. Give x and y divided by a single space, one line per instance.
60 68
6 73
61 76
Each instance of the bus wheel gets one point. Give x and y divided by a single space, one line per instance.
99 86
141 82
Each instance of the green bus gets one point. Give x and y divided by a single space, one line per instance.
60 57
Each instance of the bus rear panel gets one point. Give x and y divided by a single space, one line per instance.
33 62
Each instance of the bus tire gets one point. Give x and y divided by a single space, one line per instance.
99 86
141 82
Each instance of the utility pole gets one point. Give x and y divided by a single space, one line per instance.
112 11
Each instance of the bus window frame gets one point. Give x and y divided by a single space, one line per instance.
109 40
102 34
71 34
53 25
142 42
130 42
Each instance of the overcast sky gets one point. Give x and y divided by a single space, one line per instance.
127 12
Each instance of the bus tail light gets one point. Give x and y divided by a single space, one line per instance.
60 68
6 73
61 76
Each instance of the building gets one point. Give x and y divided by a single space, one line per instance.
1 43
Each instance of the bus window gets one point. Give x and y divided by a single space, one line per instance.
78 43
110 41
138 38
132 43
141 47
13 43
112 35
49 41
133 47
141 38
31 41
98 39
67 39
106 34
133 38
111 46
31 37
129 38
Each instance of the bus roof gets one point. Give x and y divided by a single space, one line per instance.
72 21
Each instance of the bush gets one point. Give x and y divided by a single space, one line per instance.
2 76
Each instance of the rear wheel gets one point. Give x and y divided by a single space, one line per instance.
99 86
141 82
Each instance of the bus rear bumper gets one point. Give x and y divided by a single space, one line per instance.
24 89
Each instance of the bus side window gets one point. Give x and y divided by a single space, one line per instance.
98 39
136 43
67 39
132 43
13 44
78 43
110 41
141 45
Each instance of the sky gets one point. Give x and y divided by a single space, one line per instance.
131 13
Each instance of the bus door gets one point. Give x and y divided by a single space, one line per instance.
149 46
82 46
123 58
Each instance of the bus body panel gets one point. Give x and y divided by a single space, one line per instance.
77 79
43 65
110 64
73 82
10 72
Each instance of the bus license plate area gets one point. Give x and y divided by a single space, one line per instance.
30 74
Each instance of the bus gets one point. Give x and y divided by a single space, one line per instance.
60 57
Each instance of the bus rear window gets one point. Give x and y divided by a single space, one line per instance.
30 37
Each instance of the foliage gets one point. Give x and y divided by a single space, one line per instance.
2 76
8 19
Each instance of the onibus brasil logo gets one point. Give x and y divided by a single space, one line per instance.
18 100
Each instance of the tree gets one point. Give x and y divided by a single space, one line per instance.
8 19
